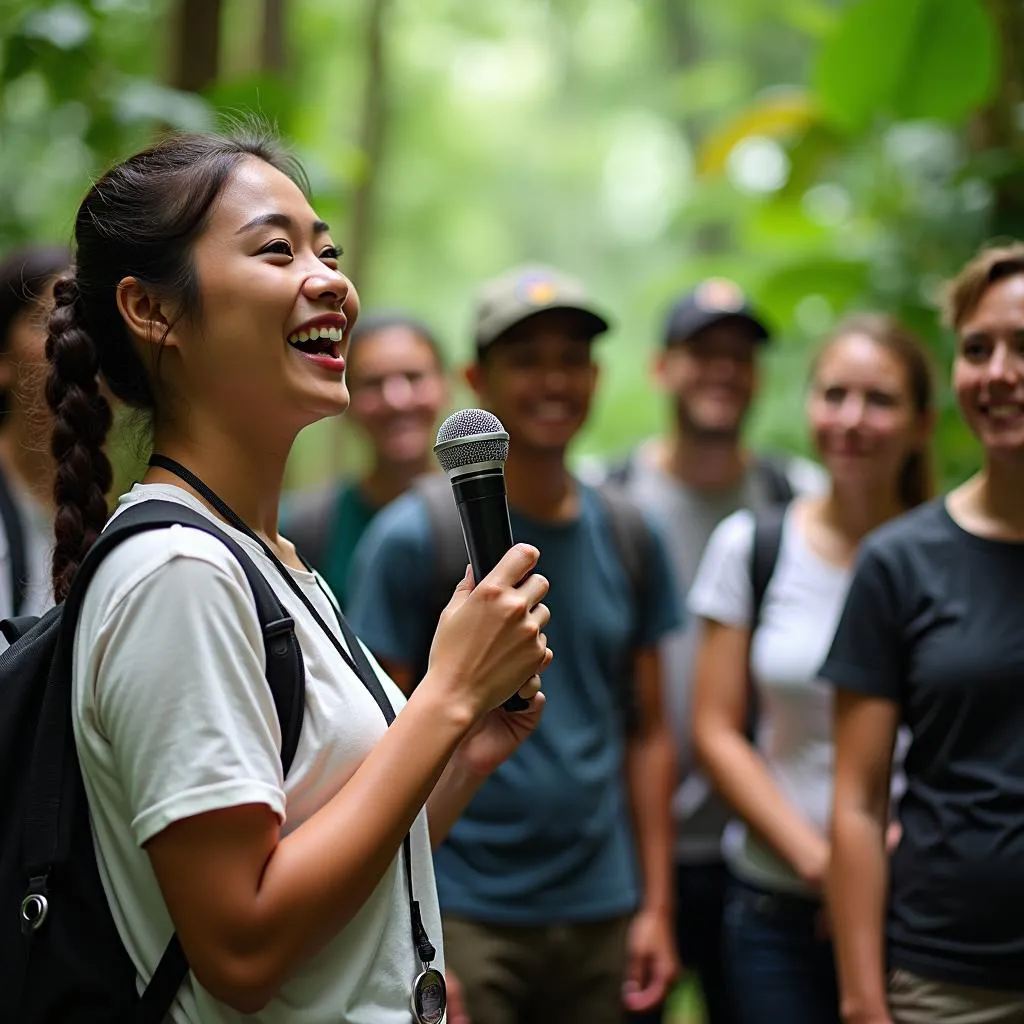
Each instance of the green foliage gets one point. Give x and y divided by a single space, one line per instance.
912 59
818 151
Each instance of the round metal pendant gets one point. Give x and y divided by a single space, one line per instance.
429 997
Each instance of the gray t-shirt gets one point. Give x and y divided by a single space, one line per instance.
687 518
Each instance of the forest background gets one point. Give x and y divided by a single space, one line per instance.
827 155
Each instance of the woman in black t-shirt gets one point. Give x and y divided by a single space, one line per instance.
931 634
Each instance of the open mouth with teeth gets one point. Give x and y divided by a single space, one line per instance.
317 341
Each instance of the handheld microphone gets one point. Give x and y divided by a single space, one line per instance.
472 447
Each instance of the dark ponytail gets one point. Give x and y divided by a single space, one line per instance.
140 220
81 422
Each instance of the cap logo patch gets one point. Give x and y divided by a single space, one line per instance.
719 293
538 291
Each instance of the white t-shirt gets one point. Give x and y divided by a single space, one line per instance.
799 616
174 717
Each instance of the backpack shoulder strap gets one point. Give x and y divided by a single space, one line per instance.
768 524
631 535
634 544
47 831
771 471
15 530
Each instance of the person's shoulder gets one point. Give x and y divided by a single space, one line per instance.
920 529
805 476
402 523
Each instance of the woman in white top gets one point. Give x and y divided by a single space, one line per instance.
26 468
870 411
206 292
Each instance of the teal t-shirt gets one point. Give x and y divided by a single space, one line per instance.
548 838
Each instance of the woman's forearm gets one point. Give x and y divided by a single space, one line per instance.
248 919
857 883
744 781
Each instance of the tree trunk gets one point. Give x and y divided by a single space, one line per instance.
273 44
198 45
372 136
997 128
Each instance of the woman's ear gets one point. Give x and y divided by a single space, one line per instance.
145 316
473 376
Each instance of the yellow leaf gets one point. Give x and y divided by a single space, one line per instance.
776 114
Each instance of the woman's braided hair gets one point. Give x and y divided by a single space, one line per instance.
139 220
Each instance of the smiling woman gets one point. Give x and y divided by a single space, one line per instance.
930 636
207 293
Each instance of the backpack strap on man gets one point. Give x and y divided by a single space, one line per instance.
17 555
49 812
772 474
634 544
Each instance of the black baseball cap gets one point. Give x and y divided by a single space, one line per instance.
710 302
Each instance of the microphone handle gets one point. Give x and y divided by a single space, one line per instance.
483 510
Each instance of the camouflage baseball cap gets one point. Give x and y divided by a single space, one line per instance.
522 292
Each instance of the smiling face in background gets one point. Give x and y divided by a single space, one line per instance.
267 274
539 379
711 376
398 389
988 372
862 414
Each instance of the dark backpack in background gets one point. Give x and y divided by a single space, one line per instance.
17 552
631 537
61 958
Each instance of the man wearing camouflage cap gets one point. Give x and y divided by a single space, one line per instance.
556 883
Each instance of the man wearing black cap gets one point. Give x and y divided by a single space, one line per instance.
689 480
556 883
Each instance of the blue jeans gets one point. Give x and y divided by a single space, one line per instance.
779 967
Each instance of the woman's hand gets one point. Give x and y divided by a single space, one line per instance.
490 637
499 733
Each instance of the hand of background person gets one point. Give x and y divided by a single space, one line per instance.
652 964
499 733
456 1005
490 636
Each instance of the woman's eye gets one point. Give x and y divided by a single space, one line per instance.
331 253
278 248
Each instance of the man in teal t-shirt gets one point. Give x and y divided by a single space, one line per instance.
396 380
556 883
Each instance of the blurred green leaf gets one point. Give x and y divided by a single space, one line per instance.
65 26
139 100
911 58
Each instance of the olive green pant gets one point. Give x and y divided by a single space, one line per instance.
554 974
917 1000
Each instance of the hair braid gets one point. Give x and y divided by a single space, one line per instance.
82 420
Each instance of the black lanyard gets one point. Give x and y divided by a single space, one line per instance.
356 660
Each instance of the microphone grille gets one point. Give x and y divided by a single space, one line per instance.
471 436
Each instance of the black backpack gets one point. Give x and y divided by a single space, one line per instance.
16 551
61 958
631 535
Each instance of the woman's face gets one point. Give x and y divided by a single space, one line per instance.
268 281
397 390
861 413
988 372
23 365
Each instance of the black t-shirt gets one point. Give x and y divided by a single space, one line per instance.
935 621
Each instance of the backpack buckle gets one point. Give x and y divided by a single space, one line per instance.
276 635
35 906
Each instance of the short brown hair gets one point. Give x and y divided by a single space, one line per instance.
964 292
